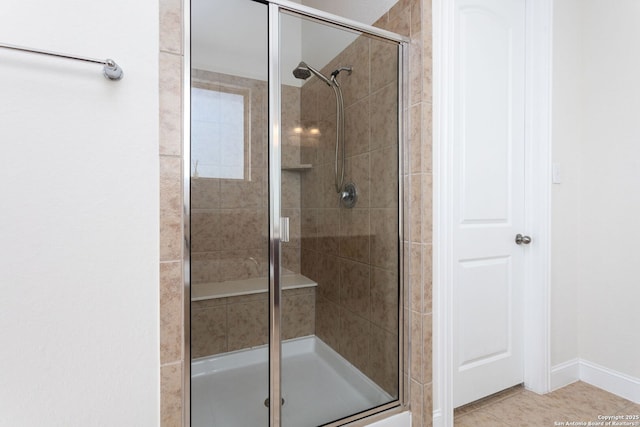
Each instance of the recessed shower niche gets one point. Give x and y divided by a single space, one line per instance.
295 256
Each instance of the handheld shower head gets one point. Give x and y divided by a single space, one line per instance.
304 71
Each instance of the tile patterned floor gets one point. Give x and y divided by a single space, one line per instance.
575 404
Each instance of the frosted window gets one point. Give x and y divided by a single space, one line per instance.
217 134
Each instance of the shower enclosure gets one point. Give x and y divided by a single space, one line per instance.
293 187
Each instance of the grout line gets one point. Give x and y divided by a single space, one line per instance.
170 52
167 364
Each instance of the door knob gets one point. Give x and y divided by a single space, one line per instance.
522 240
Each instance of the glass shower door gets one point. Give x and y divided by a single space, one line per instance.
339 197
229 214
294 217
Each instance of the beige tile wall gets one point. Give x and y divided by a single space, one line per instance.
235 323
229 216
352 253
410 17
171 230
229 227
413 18
291 188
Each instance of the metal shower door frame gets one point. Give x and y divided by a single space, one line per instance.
275 8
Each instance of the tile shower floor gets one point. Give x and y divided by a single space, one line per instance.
319 386
579 403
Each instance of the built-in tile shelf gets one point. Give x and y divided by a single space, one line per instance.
255 285
297 168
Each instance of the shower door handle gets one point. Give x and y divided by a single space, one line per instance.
284 229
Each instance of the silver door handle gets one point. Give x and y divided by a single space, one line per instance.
522 240
284 229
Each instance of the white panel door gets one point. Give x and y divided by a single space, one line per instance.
488 197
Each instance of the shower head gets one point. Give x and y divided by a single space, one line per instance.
304 71
301 72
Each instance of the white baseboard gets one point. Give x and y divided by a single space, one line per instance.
574 370
599 376
437 418
565 374
609 380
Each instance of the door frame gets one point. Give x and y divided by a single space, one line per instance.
538 90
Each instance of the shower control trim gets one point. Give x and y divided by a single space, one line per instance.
349 195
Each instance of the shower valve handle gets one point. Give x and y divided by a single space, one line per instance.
349 195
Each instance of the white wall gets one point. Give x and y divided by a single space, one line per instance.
230 37
597 140
567 137
366 11
79 221
610 191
